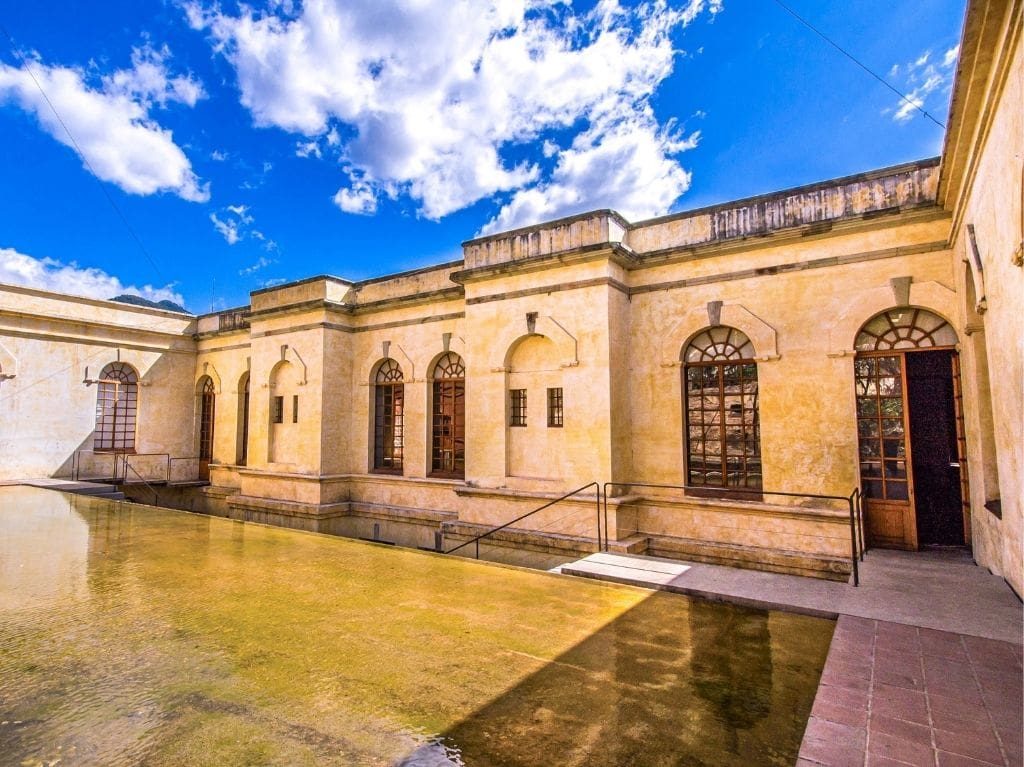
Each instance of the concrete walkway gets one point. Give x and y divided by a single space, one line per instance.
941 590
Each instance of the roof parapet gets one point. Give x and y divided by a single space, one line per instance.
816 206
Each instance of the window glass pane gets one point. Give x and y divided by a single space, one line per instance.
896 491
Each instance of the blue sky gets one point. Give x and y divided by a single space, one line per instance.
249 145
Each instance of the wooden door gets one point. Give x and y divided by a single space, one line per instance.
886 469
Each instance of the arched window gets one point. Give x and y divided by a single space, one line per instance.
448 422
207 408
723 443
388 406
117 402
905 328
243 421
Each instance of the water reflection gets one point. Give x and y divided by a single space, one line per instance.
165 638
671 682
33 576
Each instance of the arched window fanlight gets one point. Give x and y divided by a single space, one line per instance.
388 409
905 328
719 343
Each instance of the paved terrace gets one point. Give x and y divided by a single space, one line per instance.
925 666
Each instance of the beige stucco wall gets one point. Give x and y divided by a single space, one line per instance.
991 201
47 342
802 322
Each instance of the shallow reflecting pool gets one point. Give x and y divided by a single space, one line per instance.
135 635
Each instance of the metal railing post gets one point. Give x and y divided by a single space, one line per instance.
853 538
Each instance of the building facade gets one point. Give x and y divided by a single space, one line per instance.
861 333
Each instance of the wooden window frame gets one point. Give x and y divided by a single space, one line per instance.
207 418
117 406
243 453
388 419
277 409
517 407
720 362
556 408
448 418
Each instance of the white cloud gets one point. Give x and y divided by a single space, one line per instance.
632 150
950 56
235 224
360 198
434 96
148 81
49 274
922 78
308 149
117 137
228 228
261 263
242 211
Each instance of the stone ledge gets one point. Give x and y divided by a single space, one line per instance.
399 513
248 503
837 516
750 557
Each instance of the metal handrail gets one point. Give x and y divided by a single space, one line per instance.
852 500
127 466
549 504
178 458
76 462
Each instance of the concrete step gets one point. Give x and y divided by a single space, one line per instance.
96 489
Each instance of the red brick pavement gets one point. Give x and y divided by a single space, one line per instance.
895 695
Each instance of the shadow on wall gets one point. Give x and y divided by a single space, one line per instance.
671 681
164 404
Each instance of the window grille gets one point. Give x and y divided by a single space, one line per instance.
117 401
555 407
517 407
448 418
388 422
723 432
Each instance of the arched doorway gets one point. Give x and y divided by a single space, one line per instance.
910 431
207 405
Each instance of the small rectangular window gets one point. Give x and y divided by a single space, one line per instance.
555 407
517 411
295 408
277 413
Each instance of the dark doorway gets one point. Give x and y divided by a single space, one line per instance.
935 456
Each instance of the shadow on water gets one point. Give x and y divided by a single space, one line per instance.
673 681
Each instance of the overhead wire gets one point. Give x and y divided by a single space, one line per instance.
124 220
915 104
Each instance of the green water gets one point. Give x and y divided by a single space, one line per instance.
134 635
